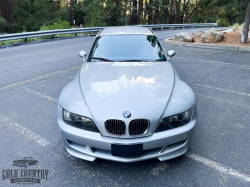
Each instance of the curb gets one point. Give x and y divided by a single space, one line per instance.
208 46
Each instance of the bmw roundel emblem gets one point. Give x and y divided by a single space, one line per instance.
126 114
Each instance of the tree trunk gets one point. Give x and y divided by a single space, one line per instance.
186 11
245 31
72 12
157 12
131 15
150 12
179 16
58 5
6 8
166 12
145 11
139 12
134 12
172 12
188 16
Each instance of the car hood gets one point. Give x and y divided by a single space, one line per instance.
142 88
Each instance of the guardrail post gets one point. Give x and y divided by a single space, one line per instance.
53 36
161 28
25 40
75 34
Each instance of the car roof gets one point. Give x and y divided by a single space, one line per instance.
126 30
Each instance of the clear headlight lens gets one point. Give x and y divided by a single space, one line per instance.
175 121
79 121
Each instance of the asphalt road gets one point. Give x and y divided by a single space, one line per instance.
32 76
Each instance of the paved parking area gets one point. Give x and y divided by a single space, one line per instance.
32 76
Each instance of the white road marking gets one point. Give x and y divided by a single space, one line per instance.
219 167
41 95
221 89
27 132
40 78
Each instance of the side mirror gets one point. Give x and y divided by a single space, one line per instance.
83 54
170 54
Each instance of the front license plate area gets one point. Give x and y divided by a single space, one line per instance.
127 150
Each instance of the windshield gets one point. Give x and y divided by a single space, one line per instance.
126 48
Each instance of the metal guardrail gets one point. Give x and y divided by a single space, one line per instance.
161 26
26 35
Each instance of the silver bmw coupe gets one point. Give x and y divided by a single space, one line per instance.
126 103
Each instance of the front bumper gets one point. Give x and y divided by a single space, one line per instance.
90 145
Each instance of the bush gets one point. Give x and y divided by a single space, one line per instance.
2 21
55 26
237 26
19 41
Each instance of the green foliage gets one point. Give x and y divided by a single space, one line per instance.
32 14
2 21
238 26
224 12
93 13
114 12
80 13
2 24
55 26
19 41
10 41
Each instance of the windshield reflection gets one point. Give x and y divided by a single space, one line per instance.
126 48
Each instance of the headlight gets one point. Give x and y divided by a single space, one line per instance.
79 121
175 121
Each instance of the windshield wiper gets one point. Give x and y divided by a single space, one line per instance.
133 61
104 59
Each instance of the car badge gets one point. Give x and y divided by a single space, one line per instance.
127 114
